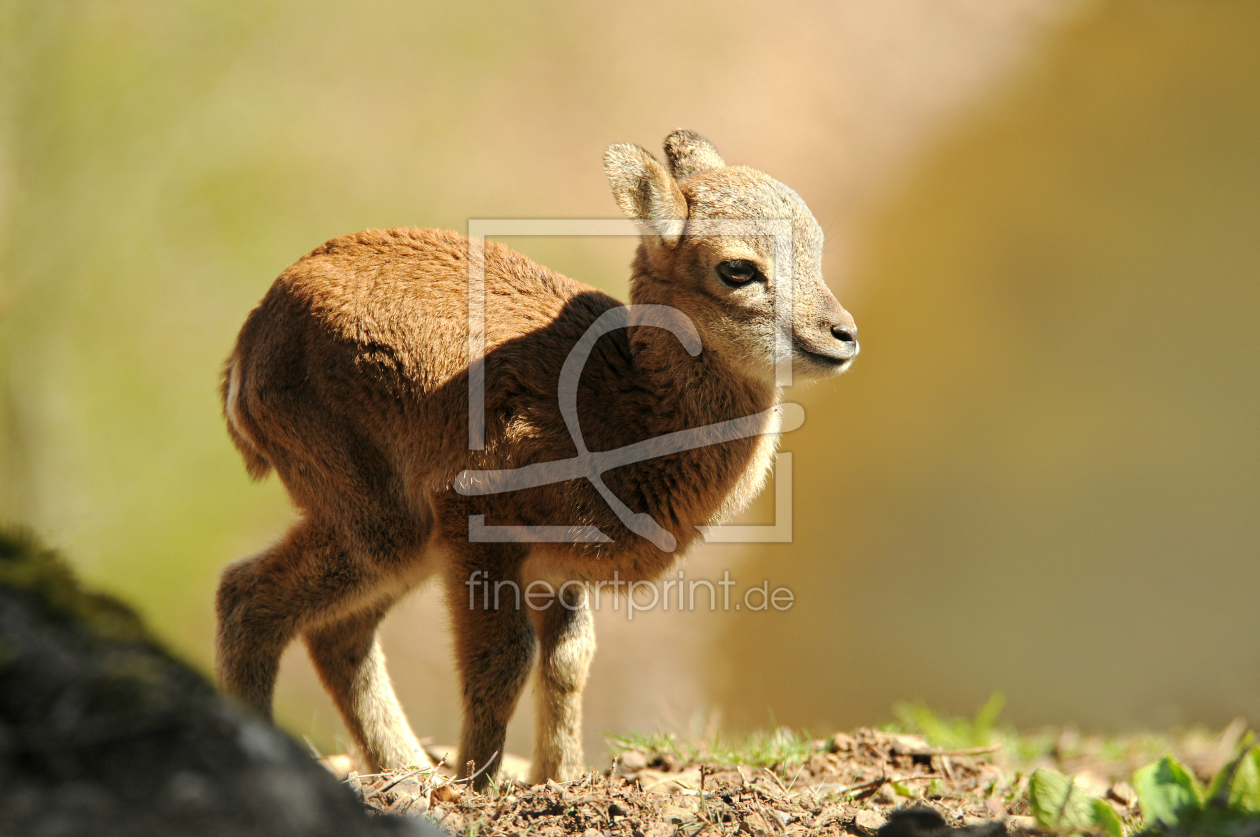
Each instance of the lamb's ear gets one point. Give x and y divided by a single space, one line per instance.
646 192
690 154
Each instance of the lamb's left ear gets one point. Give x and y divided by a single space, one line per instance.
690 154
646 192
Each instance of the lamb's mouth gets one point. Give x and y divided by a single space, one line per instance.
835 362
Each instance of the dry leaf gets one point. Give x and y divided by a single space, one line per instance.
447 793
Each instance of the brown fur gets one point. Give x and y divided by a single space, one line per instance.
350 379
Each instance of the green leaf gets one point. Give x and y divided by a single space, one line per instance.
1248 797
1057 803
1106 818
1167 792
987 717
1243 775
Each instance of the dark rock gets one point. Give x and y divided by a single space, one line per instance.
103 733
921 821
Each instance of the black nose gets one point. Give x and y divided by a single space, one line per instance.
842 334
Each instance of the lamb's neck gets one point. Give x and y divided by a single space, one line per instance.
693 391
707 482
690 391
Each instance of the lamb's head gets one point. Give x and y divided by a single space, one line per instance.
736 251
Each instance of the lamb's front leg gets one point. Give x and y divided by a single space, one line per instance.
566 638
494 648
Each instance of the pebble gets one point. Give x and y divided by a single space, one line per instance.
868 821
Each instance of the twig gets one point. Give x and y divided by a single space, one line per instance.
406 775
970 751
489 762
765 793
771 774
309 743
704 771
875 783
792 784
868 785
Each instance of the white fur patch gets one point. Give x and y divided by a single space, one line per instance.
755 475
234 397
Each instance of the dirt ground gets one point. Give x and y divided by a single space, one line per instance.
847 784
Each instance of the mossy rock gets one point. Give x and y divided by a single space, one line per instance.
102 732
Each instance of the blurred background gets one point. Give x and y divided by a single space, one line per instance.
1041 477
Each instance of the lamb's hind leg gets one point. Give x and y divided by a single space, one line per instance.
348 658
264 602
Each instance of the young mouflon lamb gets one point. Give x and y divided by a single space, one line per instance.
353 380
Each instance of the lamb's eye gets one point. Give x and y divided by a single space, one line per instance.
737 272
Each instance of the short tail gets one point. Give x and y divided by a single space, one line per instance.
241 426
